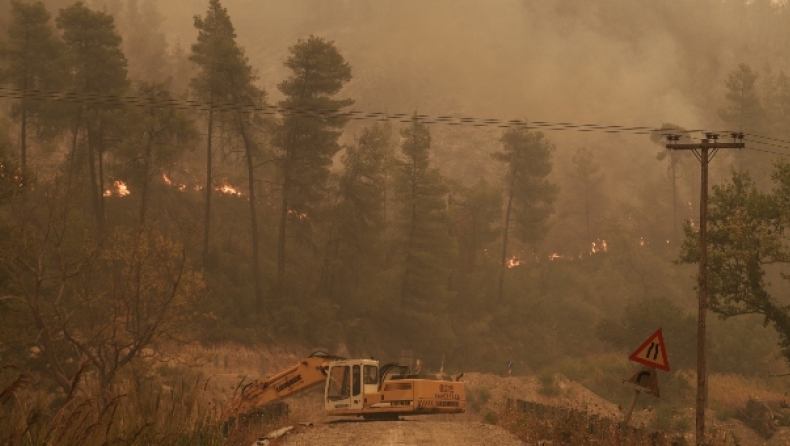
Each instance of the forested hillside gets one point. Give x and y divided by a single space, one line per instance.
476 183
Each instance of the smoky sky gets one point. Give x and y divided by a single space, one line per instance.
504 58
626 62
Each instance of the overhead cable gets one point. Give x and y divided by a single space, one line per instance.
360 115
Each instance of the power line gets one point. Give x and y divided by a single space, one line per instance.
768 151
361 115
767 138
769 145
356 115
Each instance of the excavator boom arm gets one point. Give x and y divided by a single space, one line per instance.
299 377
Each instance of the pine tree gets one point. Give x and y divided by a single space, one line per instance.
145 42
30 61
529 194
225 78
244 125
215 44
479 208
12 177
675 158
358 218
307 141
154 140
98 67
587 177
429 249
180 69
776 102
744 110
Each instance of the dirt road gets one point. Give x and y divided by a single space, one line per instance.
407 432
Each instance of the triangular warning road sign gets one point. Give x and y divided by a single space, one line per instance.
645 380
652 352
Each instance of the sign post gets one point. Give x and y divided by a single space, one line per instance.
652 354
630 410
644 380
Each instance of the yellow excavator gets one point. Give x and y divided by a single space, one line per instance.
356 387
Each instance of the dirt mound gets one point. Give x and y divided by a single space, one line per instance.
561 392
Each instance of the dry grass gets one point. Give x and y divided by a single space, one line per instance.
178 402
136 413
566 428
736 390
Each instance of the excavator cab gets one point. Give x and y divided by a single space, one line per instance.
347 383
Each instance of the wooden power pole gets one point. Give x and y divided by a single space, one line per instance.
705 150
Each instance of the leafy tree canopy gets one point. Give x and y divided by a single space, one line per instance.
528 156
747 245
98 62
223 69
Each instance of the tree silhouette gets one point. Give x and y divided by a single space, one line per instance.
307 137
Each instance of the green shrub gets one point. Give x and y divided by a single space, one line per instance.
477 398
725 413
548 384
681 424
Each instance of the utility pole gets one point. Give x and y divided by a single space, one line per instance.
705 150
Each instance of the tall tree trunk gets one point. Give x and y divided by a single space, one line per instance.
587 208
281 240
412 230
146 177
207 219
326 282
256 273
675 237
73 154
280 285
94 191
505 232
326 279
23 137
100 154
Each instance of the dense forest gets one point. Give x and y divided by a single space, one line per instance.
168 178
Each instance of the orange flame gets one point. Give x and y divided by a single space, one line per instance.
514 262
180 186
299 215
228 189
599 246
119 188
